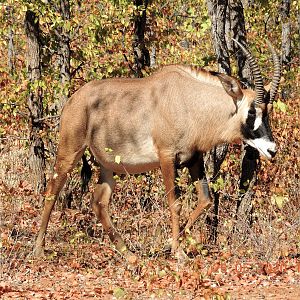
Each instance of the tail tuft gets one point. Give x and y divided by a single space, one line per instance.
86 174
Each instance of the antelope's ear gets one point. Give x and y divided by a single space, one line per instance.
232 87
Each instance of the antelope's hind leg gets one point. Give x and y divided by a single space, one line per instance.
197 172
67 158
168 172
100 205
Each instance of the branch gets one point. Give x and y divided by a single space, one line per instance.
76 69
46 118
129 64
8 137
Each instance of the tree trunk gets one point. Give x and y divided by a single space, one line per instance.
10 41
141 53
213 161
250 155
238 32
250 158
11 51
244 208
217 13
286 33
35 103
228 22
248 3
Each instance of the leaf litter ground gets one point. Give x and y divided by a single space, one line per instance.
89 268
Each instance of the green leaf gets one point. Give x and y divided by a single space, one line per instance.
119 292
110 69
190 28
280 106
162 273
191 240
279 200
118 159
218 184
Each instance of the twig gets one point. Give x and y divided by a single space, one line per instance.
129 64
46 118
77 69
8 137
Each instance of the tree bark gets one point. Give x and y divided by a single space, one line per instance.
286 33
250 162
228 22
141 53
11 51
248 3
10 40
217 13
213 162
250 158
35 102
238 31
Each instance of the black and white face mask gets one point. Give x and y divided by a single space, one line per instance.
257 132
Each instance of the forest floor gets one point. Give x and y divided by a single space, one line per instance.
78 266
66 280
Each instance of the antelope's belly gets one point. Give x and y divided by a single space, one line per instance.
127 157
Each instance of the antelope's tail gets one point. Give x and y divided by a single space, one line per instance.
86 174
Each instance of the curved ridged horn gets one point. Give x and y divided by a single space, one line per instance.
258 81
277 72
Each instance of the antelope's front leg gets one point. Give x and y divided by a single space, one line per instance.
168 172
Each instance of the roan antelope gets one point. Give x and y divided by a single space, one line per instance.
166 120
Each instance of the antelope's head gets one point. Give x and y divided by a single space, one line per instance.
256 129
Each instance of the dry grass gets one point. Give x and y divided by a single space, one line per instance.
139 211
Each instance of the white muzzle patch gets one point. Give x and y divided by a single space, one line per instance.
265 147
